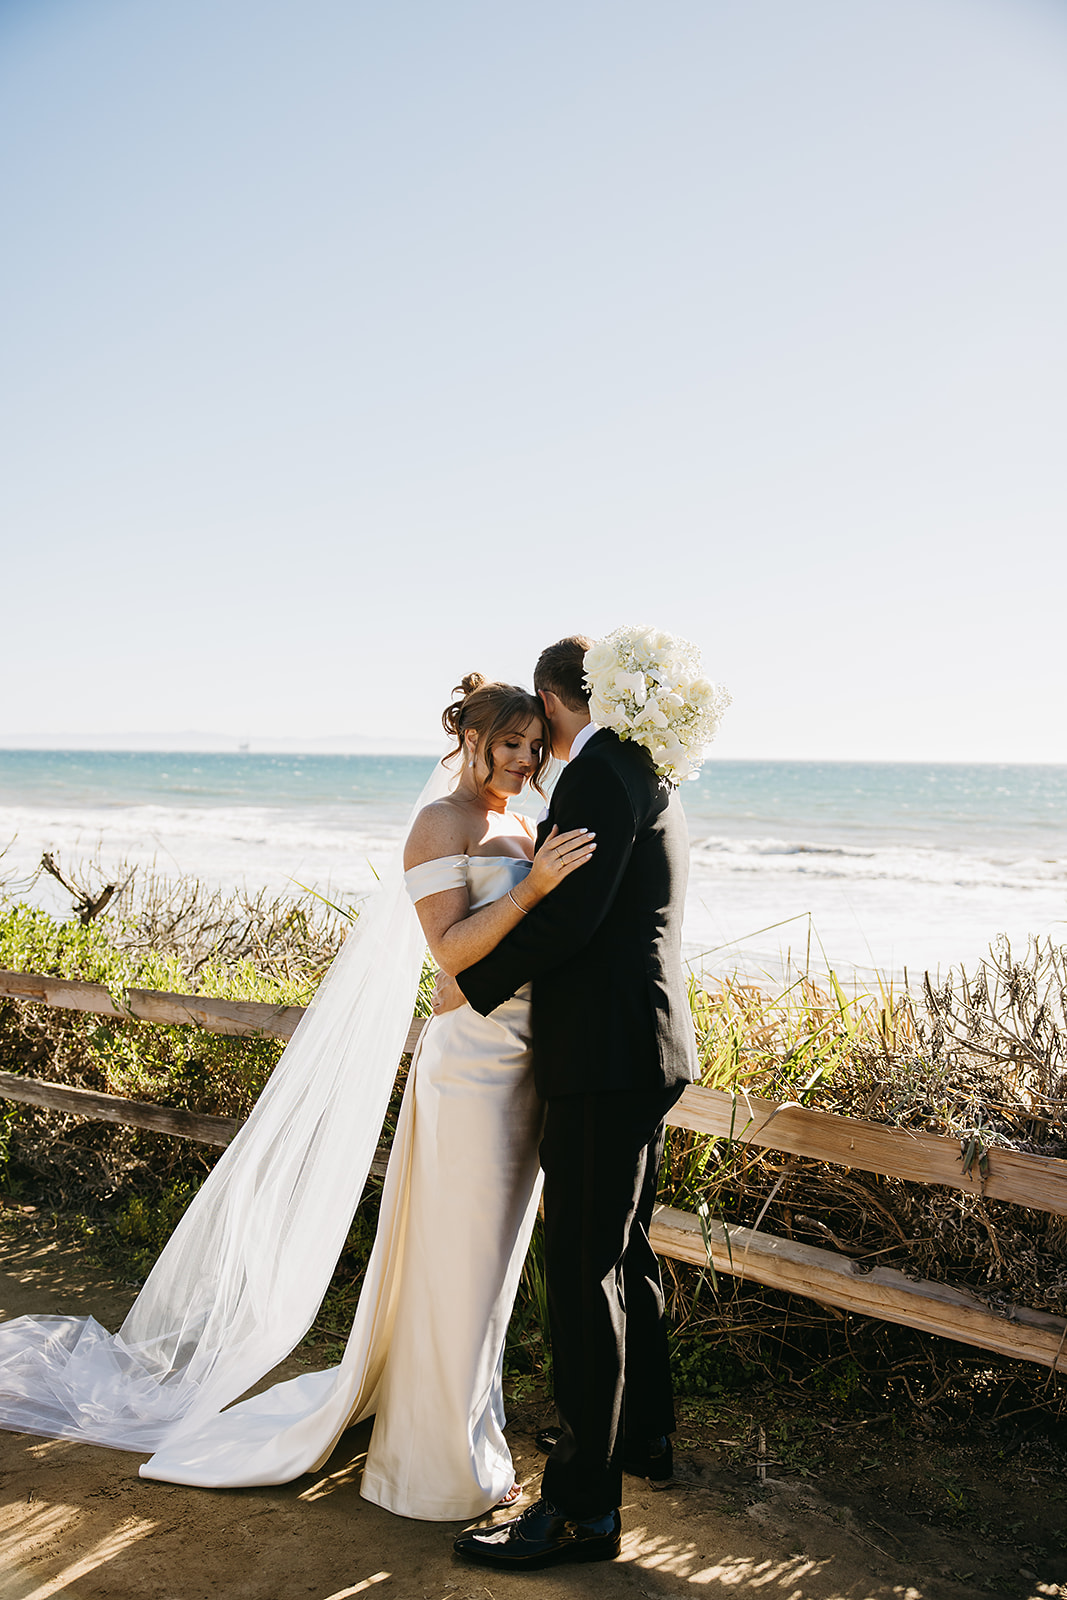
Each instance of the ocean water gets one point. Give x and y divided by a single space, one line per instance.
866 867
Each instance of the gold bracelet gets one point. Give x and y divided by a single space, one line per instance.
516 904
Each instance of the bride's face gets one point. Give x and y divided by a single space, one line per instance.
515 758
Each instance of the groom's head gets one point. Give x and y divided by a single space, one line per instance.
559 680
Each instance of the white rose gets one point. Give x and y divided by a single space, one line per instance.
709 698
662 644
641 644
607 714
599 656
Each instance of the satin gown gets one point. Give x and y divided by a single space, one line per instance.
425 1354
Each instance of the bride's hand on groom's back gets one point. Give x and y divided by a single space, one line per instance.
559 856
447 995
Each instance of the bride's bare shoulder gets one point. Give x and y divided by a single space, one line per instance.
440 829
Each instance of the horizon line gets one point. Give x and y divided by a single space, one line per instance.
294 745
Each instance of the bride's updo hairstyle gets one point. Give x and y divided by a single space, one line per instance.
493 710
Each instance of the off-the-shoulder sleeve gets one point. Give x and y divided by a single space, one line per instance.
434 877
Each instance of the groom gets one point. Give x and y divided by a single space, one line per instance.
613 1049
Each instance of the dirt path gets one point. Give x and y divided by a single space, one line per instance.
77 1521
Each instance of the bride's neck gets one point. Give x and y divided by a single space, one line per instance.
482 800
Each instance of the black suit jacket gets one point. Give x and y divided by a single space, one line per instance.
610 1003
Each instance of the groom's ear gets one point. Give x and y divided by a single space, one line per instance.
549 701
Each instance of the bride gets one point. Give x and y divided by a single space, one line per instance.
243 1275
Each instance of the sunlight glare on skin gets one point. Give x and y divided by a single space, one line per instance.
360 1588
113 1545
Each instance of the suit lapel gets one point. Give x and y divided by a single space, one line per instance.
600 736
597 738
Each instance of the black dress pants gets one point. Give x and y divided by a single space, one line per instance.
601 1156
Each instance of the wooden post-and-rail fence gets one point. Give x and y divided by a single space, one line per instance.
827 1276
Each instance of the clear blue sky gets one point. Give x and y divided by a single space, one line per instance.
350 346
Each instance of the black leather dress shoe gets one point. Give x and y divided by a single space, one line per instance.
651 1459
542 1537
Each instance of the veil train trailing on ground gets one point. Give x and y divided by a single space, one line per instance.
242 1277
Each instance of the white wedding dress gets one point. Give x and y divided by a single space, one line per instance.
241 1279
425 1355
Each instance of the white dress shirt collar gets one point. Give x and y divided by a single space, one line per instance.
581 739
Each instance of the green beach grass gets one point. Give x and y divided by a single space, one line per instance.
982 1058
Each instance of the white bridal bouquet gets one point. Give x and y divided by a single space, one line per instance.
647 686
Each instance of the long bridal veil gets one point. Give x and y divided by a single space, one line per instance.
242 1277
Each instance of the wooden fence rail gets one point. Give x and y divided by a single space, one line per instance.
835 1280
155 1005
824 1275
1039 1182
96 1107
152 1005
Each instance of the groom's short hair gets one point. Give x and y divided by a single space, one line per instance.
561 670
